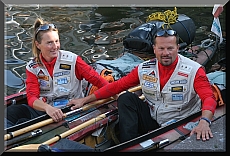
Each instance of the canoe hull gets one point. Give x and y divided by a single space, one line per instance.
103 134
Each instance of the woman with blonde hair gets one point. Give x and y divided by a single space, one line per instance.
54 77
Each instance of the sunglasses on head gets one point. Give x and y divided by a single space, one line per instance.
169 32
45 27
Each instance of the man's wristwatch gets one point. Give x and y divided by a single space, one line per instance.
206 119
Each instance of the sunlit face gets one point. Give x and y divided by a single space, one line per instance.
49 45
166 49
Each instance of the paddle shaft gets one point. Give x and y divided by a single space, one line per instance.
49 121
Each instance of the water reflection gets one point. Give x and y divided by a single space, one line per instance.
92 32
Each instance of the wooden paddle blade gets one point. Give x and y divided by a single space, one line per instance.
25 148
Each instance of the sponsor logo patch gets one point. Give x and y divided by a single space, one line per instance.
182 74
149 78
44 90
65 66
177 89
149 93
148 84
61 73
42 76
152 73
60 102
149 63
177 97
33 64
41 73
46 78
62 89
145 66
152 62
44 83
61 81
184 81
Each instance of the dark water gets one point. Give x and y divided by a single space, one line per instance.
92 32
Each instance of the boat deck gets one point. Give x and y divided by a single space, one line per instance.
215 144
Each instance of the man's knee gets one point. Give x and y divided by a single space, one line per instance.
126 99
124 96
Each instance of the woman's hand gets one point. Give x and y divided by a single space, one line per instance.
55 113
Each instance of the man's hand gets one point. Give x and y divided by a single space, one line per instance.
76 102
202 130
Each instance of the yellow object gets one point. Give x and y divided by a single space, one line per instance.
168 17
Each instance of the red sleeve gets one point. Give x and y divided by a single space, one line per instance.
32 88
83 70
126 82
204 90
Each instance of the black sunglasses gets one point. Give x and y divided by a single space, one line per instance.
170 32
45 27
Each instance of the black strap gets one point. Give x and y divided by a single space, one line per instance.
59 137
